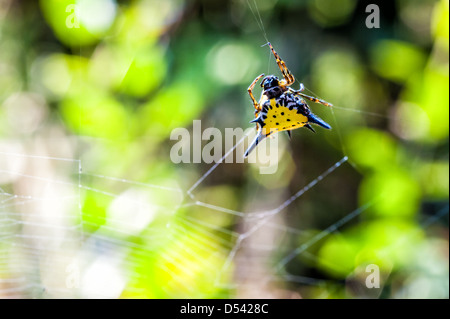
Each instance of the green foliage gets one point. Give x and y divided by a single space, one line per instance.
110 83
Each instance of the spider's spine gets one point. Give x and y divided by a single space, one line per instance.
312 118
255 142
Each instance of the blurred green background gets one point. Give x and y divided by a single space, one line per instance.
92 206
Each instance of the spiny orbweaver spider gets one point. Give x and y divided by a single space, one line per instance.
281 108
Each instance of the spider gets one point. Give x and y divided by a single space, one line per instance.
281 108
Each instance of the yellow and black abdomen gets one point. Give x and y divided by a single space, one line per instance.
286 112
281 118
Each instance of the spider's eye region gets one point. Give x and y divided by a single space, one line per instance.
270 82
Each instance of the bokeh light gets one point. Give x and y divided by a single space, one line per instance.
92 205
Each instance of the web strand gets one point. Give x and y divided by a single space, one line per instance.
183 249
204 176
258 18
321 235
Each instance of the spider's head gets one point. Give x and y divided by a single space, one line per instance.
269 82
271 85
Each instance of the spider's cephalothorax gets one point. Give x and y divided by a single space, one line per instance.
271 87
280 107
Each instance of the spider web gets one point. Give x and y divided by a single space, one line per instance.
52 247
46 253
46 218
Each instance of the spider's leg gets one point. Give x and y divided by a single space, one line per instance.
316 100
288 77
256 104
250 92
311 98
